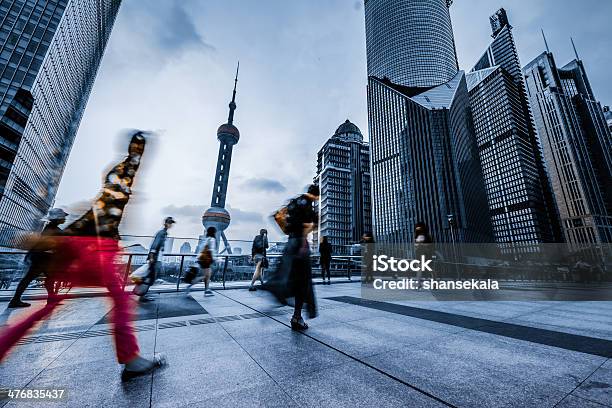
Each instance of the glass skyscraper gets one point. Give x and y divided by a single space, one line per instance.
343 174
50 51
521 205
424 159
410 42
577 147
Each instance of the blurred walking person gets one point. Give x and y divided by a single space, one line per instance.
39 259
207 256
325 252
367 248
157 248
258 253
422 247
293 276
86 256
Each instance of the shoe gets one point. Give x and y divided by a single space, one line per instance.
208 292
298 324
145 299
18 303
252 289
145 367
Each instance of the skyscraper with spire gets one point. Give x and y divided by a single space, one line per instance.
577 146
228 135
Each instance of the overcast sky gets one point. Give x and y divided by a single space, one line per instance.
169 66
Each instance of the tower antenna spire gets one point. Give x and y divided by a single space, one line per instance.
545 42
574 47
232 104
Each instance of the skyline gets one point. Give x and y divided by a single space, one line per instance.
297 117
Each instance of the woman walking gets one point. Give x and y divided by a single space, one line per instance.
207 258
258 253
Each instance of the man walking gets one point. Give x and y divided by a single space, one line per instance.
39 259
153 258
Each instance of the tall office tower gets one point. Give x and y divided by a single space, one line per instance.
608 116
577 147
228 135
424 158
521 205
343 174
50 51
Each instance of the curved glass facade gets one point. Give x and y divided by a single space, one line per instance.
410 42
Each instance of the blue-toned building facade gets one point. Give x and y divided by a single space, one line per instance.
50 51
343 175
424 158
577 147
521 205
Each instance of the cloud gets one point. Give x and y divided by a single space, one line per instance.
264 184
242 217
185 211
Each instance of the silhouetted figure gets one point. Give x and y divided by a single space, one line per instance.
422 246
86 256
39 259
325 252
367 248
258 253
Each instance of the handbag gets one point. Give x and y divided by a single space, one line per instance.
190 275
141 273
281 218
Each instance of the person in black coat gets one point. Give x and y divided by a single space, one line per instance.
325 252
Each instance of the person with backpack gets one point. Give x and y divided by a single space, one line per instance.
39 259
207 256
258 253
293 276
325 255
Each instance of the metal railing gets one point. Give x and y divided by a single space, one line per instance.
172 267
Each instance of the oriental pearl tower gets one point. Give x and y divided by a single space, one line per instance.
228 135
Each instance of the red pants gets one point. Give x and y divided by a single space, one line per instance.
85 261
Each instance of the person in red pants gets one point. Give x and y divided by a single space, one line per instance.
86 256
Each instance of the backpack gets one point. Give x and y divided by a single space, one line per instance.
282 216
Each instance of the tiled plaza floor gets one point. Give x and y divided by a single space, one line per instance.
235 350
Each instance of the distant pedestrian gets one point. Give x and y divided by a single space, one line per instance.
423 246
258 253
207 257
86 256
325 252
293 276
367 252
39 259
157 248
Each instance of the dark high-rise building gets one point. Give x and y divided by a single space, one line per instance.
608 116
424 158
577 147
343 174
50 51
521 205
